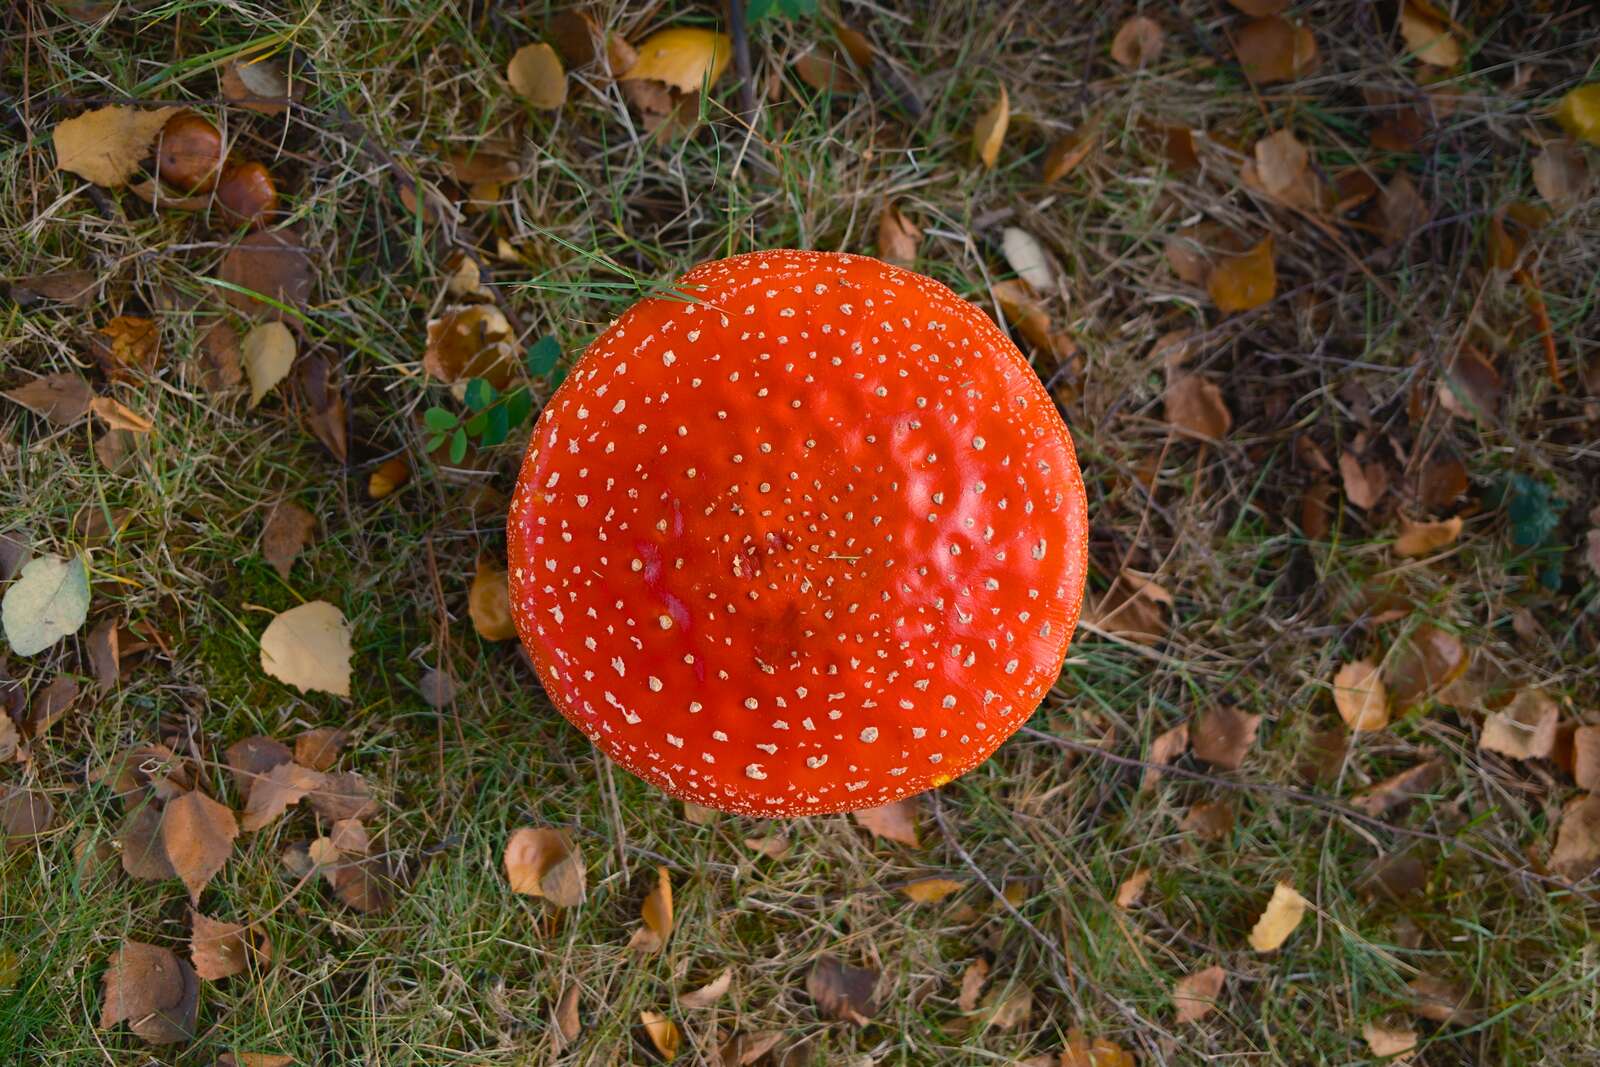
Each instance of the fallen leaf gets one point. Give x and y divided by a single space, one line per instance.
1440 1000
220 950
1364 483
1524 729
489 602
325 407
105 145
1395 877
565 1017
1019 308
536 75
1130 891
118 416
1472 387
1283 167
1223 736
1360 696
350 837
1579 113
1561 174
254 1059
288 529
343 796
1244 281
197 834
473 341
841 991
309 648
1283 914
145 986
698 814
219 357
663 1034
683 58
1167 747
1209 820
1428 38
274 791
772 846
319 748
1081 1052
1386 1041
1195 995
826 71
1425 538
1007 1008
25 813
273 264
1576 855
75 287
931 890
140 848
252 757
268 351
126 344
48 600
9 739
1138 42
1586 757
52 704
1400 788
709 993
898 236
972 980
1027 257
1194 404
1273 49
657 914
1401 209
545 863
892 822
364 885
259 84
61 399
1066 155
989 133
1261 8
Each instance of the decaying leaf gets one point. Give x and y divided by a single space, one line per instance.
1426 538
1167 747
931 890
197 834
1210 820
489 602
1138 42
1586 757
841 991
288 530
1577 851
989 133
268 352
48 600
972 980
343 796
546 863
62 399
1524 729
1400 788
220 949
324 404
1401 209
683 58
272 263
1364 483
709 993
1007 1007
76 287
259 84
1441 1000
319 748
151 990
1194 404
309 648
657 914
663 1033
565 1017
51 704
1244 281
1223 736
126 344
1130 891
105 145
536 75
772 846
1561 174
274 791
1472 387
1282 167
892 822
1066 154
25 813
1194 996
139 846
1273 49
251 757
1428 38
1027 257
898 236
826 70
1425 661
1579 113
472 341
1360 696
1283 913
1385 1041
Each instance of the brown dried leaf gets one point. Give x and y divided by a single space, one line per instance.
319 748
1401 209
663 1033
1586 757
197 834
972 980
1283 167
1400 789
892 822
364 885
1472 387
565 1017
1283 913
825 70
219 363
773 846
51 704
1007 1008
1427 37
1425 538
1273 49
1209 820
76 287
1441 1000
323 394
1138 43
1167 747
118 416
1130 891
898 237
931 890
1524 729
1360 696
25 813
144 857
274 264
274 791
1261 8
1223 736
472 341
220 950
709 993
841 991
990 131
252 757
141 980
536 75
1364 483
288 529
1244 281
546 863
1066 155
489 602
1195 405
343 796
1194 996
268 352
62 399
259 84
657 914
1561 174
1577 851
106 145
1385 1041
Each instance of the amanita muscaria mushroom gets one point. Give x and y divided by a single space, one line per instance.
807 536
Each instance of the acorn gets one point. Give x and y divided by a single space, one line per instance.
247 192
190 153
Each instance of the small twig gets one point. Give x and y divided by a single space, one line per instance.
741 59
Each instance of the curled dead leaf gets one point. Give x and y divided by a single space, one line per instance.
989 133
536 75
1425 538
1524 729
898 236
892 822
1283 913
546 863
841 991
472 341
489 602
1360 696
682 58
710 993
657 914
1138 43
663 1034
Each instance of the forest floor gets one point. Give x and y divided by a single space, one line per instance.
1325 331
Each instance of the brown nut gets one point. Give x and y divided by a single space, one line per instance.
190 153
247 192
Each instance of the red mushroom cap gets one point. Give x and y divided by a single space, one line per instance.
808 537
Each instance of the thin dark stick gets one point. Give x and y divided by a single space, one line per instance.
741 59
1302 797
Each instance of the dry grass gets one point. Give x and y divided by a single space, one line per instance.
461 971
